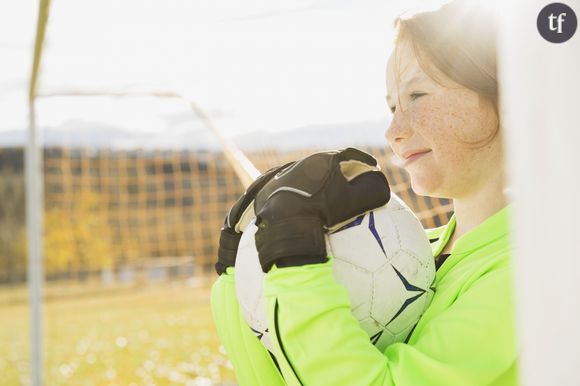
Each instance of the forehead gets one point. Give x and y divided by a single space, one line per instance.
402 69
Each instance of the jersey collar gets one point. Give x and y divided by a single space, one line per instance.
492 228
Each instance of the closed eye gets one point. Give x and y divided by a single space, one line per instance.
413 96
416 95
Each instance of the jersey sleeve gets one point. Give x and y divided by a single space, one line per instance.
252 362
318 342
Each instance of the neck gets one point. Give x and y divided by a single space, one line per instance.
472 210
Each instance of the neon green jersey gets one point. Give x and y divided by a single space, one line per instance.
465 337
252 362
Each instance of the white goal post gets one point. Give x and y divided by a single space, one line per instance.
540 98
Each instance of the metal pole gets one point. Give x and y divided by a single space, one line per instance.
34 218
34 207
243 167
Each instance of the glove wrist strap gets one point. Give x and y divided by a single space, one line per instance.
291 242
227 250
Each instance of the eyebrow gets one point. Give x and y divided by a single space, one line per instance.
415 78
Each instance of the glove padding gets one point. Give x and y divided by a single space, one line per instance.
241 213
301 202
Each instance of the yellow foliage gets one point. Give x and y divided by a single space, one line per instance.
78 237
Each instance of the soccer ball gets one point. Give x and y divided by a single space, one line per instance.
384 260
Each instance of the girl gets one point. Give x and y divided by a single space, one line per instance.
442 90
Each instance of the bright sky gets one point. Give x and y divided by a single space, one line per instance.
253 65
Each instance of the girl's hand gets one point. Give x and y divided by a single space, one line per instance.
306 198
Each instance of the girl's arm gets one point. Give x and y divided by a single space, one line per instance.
252 363
318 342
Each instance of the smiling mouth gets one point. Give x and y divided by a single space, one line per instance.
414 157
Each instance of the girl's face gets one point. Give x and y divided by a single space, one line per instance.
444 122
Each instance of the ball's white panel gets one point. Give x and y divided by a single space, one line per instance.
364 253
416 269
358 283
408 226
386 339
402 335
396 203
415 282
249 285
387 230
410 315
249 275
370 326
388 294
266 340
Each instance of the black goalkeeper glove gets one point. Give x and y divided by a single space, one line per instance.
241 213
298 205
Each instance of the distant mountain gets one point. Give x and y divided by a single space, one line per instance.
80 133
331 136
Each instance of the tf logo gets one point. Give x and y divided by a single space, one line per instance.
557 22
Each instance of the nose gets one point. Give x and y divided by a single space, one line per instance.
398 129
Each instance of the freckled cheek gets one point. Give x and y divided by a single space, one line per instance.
457 122
466 124
452 157
430 121
443 128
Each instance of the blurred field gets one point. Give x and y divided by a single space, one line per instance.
160 335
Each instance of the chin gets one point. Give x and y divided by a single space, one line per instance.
420 191
424 186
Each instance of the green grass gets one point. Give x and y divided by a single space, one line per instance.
162 335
